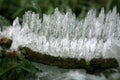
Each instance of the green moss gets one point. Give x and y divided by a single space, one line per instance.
23 51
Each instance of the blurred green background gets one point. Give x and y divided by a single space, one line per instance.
10 9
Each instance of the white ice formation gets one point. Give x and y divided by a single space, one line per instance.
61 34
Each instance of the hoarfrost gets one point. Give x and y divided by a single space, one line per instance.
61 34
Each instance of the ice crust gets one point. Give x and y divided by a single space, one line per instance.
61 34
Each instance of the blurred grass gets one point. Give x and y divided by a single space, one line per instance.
13 8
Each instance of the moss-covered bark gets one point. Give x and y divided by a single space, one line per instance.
54 61
96 65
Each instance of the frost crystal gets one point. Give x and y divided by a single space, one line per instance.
61 34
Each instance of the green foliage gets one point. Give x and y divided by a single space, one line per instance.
3 23
14 8
16 68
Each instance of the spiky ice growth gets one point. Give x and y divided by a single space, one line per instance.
61 34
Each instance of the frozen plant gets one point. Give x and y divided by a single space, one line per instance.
61 34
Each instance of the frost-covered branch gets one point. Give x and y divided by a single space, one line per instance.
61 34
